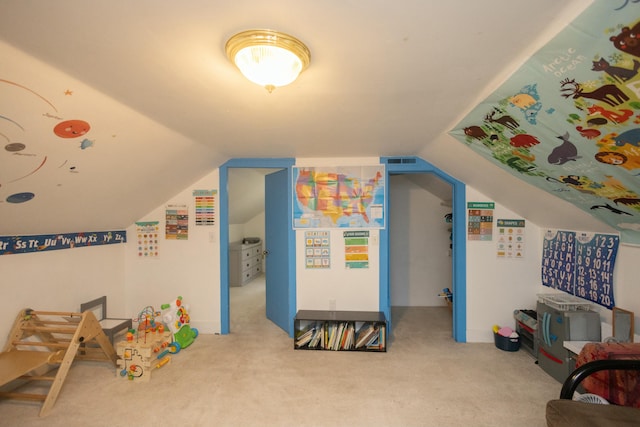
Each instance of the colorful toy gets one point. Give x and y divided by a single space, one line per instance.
145 347
176 317
138 358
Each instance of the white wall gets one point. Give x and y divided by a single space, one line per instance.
338 288
189 268
419 255
61 280
497 286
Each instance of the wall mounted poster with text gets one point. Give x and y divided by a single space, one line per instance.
580 264
510 238
48 242
147 235
480 226
177 225
317 249
356 249
343 197
205 202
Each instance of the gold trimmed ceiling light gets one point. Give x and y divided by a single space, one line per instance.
268 58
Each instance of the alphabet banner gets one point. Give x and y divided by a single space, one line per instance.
48 242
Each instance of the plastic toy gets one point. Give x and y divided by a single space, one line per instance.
176 317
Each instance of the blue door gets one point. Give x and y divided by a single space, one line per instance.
280 295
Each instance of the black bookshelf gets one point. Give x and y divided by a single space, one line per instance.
340 331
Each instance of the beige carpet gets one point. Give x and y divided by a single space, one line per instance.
253 377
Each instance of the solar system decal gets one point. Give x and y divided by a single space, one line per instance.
47 242
568 121
38 140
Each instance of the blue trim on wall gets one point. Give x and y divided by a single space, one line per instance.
223 215
405 165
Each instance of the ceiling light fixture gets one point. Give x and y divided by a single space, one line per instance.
268 58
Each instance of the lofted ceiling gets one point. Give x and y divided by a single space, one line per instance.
108 109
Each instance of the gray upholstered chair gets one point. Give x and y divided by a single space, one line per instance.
110 326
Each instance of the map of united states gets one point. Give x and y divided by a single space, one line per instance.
343 198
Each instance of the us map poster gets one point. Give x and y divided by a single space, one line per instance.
339 197
581 264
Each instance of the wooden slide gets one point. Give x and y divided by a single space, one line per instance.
42 346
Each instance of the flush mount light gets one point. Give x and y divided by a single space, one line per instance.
268 58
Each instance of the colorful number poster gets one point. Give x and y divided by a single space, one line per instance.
510 238
595 260
580 264
480 225
177 217
147 239
317 249
205 202
356 249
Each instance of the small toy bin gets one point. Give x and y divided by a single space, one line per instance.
506 343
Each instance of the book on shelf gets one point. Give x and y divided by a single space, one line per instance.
366 333
305 337
317 336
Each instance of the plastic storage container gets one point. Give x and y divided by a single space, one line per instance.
506 343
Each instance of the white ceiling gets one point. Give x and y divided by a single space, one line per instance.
386 79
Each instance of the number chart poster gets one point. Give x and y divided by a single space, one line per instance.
580 264
317 249
480 226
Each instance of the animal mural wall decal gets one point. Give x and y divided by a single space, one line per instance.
35 137
568 121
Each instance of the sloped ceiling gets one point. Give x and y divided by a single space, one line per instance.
568 121
107 109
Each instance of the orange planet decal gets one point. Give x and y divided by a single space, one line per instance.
71 128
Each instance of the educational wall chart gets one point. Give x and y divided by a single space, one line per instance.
48 242
510 240
568 121
317 249
356 249
480 226
147 235
346 197
177 222
580 264
205 202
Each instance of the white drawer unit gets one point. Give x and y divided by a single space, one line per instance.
245 262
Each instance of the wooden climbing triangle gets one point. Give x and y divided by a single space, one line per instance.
42 346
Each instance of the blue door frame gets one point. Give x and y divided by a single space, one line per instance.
275 163
406 165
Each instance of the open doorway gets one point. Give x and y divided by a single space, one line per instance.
420 250
415 165
259 188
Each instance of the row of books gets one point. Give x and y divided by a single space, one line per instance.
342 336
